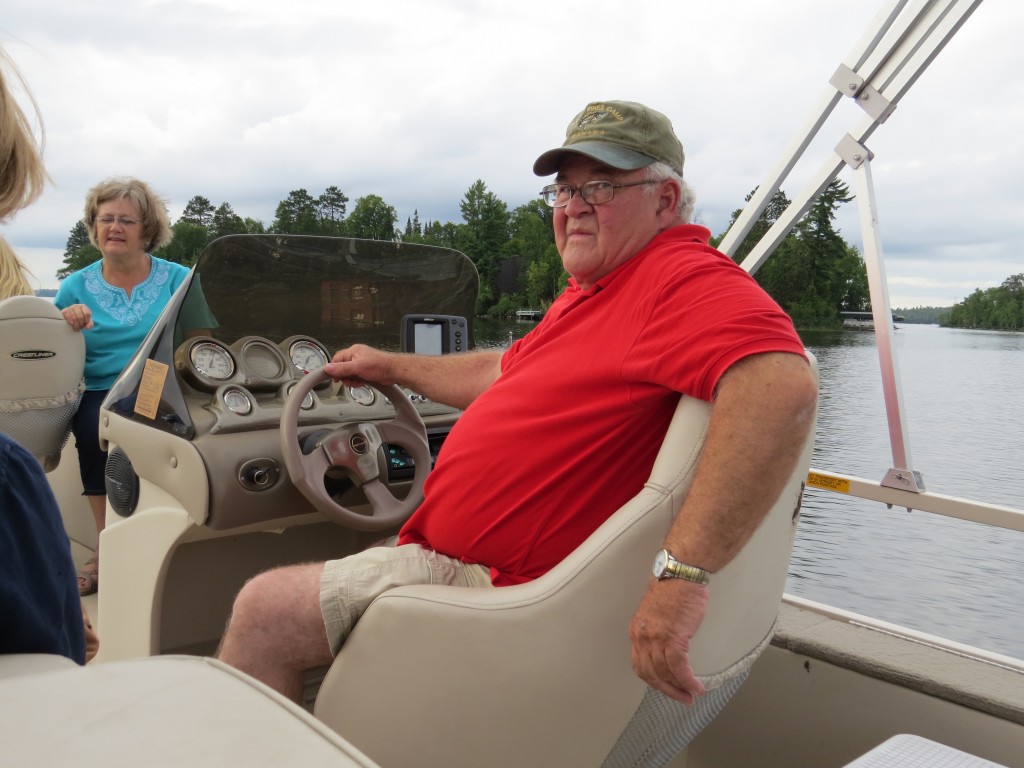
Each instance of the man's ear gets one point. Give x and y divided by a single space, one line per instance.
668 198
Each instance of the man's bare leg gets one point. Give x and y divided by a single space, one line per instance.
276 631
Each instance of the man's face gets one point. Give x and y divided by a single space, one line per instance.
594 240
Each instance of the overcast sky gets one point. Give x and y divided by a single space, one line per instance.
243 101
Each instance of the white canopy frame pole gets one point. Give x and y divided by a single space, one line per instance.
902 474
827 103
896 50
903 40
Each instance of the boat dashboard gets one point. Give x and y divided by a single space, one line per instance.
258 314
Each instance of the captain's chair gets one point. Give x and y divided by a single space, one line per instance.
40 376
539 674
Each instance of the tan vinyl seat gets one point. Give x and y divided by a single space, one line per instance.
539 674
40 377
161 712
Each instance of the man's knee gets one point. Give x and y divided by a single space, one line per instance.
280 596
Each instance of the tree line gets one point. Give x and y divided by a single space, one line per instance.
814 274
999 308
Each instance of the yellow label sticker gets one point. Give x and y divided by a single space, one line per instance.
150 388
828 482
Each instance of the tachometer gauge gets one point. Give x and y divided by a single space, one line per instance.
307 355
212 361
237 401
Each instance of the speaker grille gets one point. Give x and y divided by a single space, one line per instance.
122 483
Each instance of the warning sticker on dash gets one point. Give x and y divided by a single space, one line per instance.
828 482
150 388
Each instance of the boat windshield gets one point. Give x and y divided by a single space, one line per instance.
339 291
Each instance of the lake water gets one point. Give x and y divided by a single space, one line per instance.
964 396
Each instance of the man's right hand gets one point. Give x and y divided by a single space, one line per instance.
454 380
355 365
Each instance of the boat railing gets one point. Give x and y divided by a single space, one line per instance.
905 633
936 503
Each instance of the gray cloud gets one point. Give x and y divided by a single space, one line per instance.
245 101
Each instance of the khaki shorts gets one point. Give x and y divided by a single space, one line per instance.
349 585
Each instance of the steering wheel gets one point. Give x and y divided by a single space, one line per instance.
355 446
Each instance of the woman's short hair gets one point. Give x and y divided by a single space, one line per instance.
156 224
687 197
22 175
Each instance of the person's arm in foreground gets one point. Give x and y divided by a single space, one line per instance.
762 412
454 380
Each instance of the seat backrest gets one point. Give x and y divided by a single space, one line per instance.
540 673
41 382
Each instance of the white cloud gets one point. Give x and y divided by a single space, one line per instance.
245 100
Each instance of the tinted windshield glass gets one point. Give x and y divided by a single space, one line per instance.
340 291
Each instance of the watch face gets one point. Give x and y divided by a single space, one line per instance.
660 563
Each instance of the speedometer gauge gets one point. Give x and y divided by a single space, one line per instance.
307 355
212 361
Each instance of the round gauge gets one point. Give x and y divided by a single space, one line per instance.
363 395
307 401
307 355
237 401
212 360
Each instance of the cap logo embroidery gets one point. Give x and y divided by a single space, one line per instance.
591 117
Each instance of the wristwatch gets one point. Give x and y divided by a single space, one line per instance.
667 567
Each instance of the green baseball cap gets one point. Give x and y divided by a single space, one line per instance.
620 134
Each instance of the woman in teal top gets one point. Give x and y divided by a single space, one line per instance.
114 302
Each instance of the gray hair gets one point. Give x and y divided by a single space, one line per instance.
687 197
156 225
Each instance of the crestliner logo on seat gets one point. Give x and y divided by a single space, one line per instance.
33 354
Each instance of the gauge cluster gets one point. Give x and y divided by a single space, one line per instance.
250 379
252 362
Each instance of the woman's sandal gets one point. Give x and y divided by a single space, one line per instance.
89 577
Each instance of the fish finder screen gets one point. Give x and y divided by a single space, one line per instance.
427 338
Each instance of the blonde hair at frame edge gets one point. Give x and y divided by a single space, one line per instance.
13 280
22 175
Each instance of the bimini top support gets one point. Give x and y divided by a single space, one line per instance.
901 42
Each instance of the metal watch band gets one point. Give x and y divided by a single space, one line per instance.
667 567
688 572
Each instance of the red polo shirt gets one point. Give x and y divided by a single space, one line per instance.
570 430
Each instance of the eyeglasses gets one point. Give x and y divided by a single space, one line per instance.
122 221
593 192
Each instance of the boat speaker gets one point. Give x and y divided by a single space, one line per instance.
122 483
